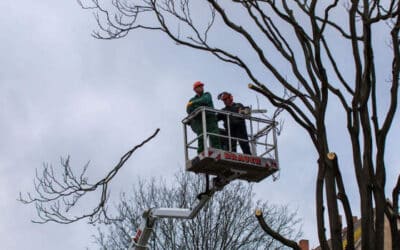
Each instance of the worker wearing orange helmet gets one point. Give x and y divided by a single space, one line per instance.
237 125
203 99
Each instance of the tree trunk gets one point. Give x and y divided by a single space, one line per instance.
320 205
366 217
333 211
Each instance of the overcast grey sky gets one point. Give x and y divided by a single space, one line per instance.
63 92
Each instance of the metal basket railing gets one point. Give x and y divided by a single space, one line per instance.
262 133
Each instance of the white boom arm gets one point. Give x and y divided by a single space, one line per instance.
142 237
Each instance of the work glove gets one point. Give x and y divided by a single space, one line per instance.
189 104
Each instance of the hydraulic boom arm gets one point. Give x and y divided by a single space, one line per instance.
142 237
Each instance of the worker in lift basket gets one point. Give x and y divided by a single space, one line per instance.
203 99
237 125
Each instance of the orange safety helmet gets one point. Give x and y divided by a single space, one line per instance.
197 84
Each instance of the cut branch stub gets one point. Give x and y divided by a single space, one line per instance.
331 156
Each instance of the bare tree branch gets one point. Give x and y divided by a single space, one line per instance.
56 196
273 233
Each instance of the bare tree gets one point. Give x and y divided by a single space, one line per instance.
59 191
227 222
304 35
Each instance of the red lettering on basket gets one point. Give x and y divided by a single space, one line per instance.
242 158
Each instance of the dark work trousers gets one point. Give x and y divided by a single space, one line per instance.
238 131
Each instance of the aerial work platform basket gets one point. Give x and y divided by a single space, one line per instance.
254 167
221 162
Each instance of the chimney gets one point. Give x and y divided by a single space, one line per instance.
304 245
